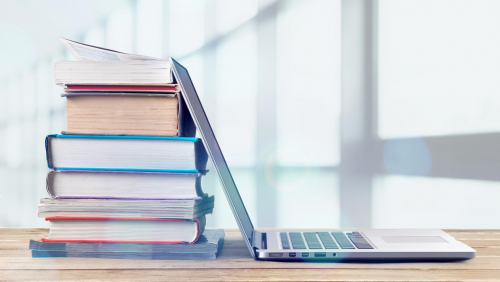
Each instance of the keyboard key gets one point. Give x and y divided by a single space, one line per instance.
312 240
297 241
342 240
327 240
359 241
284 240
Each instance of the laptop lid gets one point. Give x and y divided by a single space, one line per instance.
207 135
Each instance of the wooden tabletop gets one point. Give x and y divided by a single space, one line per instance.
235 264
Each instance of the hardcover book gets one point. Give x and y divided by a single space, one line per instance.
174 209
207 247
126 153
118 113
124 230
104 184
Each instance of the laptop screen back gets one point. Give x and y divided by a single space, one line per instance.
207 135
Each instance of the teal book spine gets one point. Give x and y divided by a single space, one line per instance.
198 146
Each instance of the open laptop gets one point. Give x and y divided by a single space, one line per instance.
316 245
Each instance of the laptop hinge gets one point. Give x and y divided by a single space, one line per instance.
259 240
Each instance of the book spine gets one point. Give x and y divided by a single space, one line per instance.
127 255
52 218
47 149
48 183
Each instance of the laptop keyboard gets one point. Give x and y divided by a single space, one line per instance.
342 240
297 241
312 240
284 241
324 240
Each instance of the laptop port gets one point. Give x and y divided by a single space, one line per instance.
334 254
275 255
305 255
292 255
320 255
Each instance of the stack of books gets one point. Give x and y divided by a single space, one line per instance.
125 179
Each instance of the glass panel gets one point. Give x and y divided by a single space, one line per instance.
27 203
443 203
4 100
3 148
14 98
28 94
9 201
119 30
186 26
39 192
308 83
307 198
439 63
58 122
14 155
57 102
44 81
41 131
232 13
150 28
236 105
5 190
27 140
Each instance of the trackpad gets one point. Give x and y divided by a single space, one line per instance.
413 239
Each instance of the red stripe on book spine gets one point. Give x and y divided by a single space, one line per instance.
198 232
119 87
110 218
111 241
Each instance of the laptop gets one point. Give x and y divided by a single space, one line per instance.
308 245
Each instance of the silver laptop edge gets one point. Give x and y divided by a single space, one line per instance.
384 244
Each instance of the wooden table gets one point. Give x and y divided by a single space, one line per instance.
235 264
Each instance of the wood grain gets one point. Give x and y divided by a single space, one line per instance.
235 264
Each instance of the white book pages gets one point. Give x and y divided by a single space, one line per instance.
113 73
119 154
85 52
128 230
124 185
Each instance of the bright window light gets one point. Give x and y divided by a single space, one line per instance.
439 67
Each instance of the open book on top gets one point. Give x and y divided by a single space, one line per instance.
100 69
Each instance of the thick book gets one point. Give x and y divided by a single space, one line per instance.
125 153
174 209
125 255
148 72
84 184
207 247
170 88
110 113
124 230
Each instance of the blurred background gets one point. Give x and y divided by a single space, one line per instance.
330 113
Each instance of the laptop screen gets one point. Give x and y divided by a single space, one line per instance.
207 135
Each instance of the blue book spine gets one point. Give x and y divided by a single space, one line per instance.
47 152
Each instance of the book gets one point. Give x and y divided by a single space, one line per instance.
207 247
111 113
85 52
113 73
124 230
83 184
170 88
89 53
127 153
174 209
125 255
